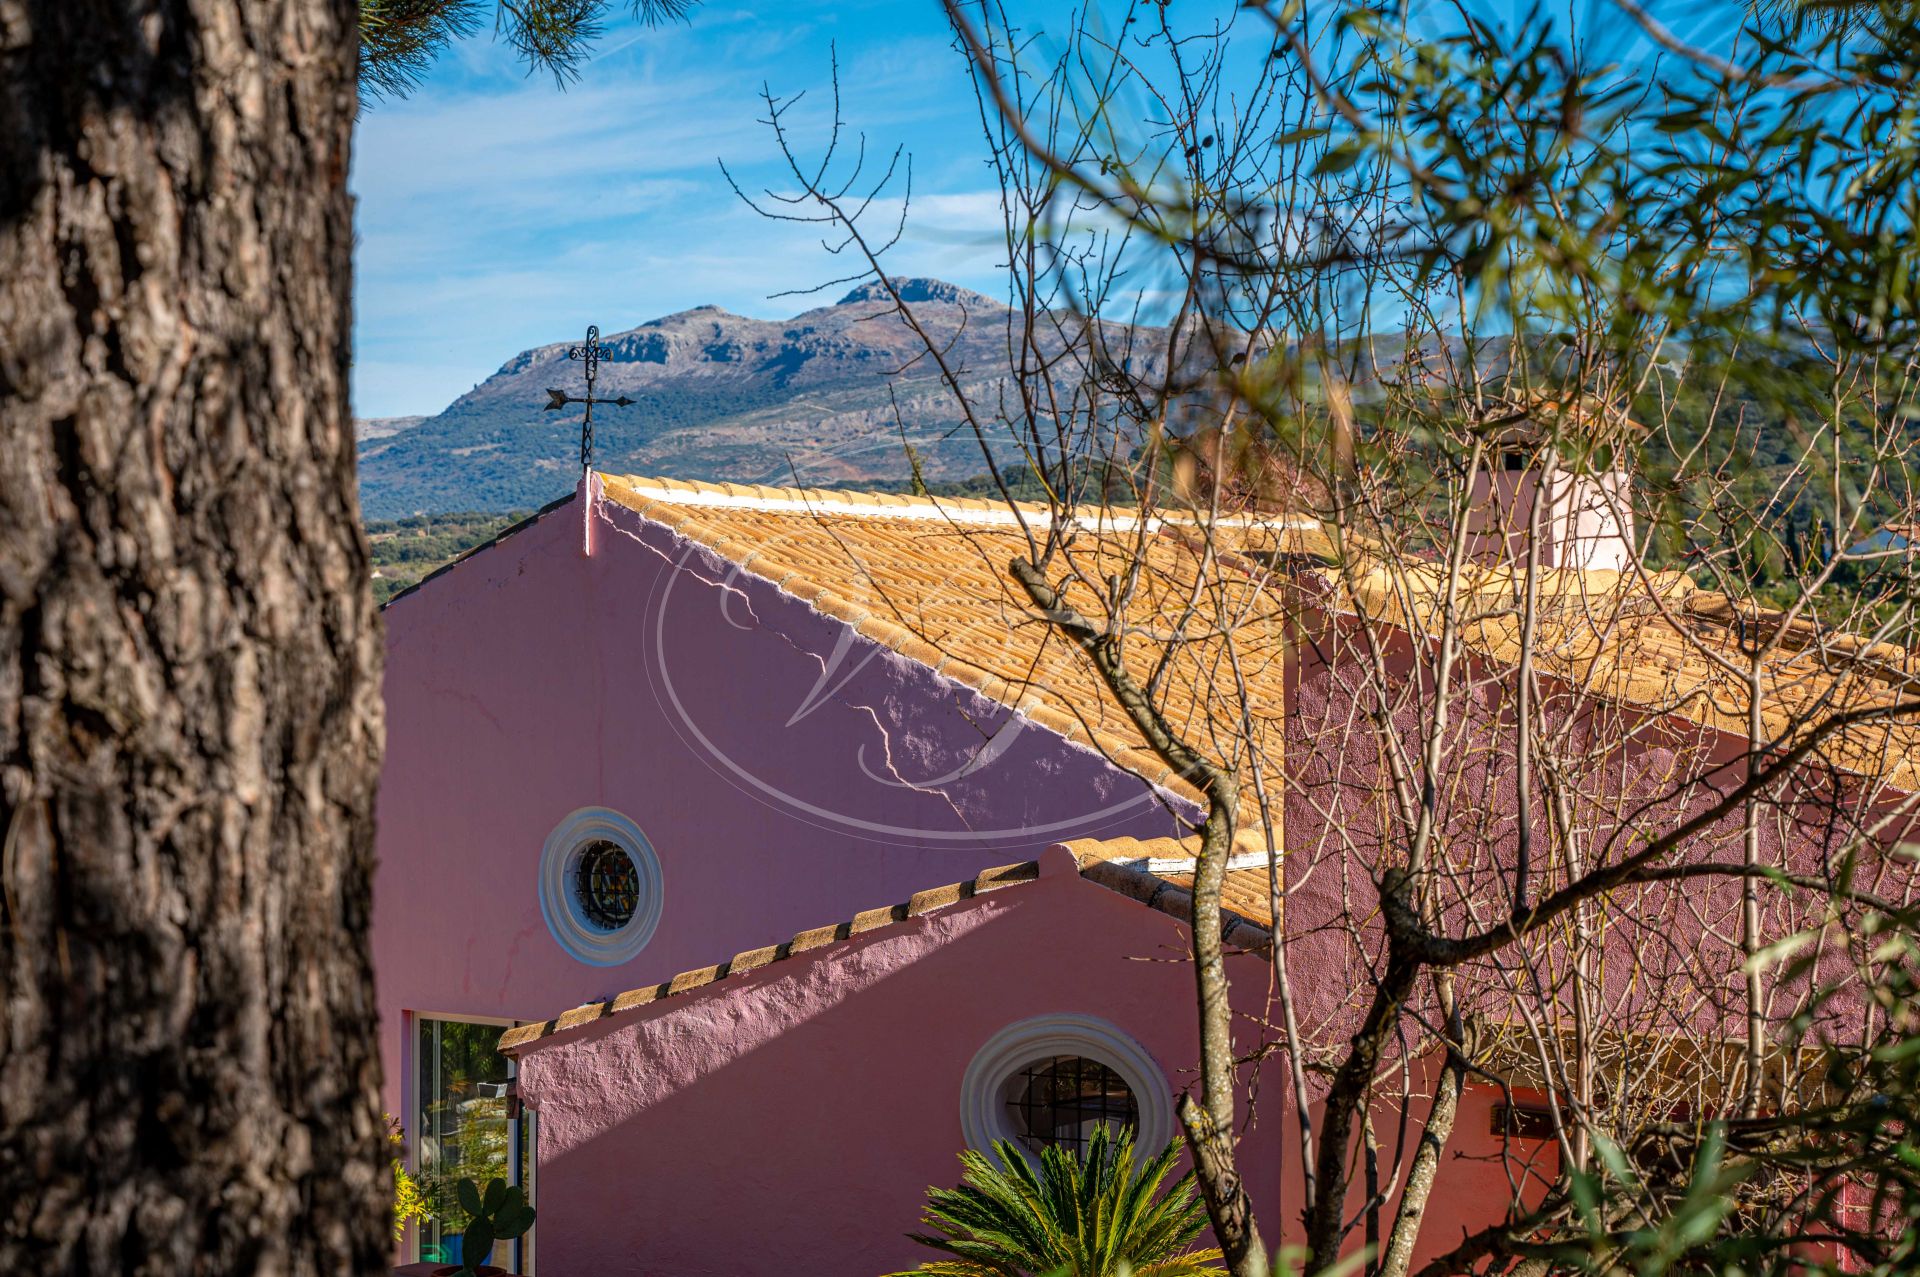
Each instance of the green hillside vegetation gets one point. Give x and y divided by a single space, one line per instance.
405 550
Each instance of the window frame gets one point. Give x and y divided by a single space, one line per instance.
521 1248
576 934
983 1110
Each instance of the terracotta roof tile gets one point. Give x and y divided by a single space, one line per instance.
874 919
580 1015
819 937
695 979
927 578
1005 876
1123 864
937 898
754 959
639 997
1663 644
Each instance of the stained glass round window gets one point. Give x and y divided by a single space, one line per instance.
600 887
607 884
1059 1099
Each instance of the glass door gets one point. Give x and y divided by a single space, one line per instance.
463 1129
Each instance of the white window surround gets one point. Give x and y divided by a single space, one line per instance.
560 905
983 1109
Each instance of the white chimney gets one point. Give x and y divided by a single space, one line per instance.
1585 515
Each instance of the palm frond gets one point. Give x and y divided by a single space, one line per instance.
1092 1214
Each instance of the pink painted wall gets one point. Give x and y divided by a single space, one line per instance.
1673 963
790 1120
532 680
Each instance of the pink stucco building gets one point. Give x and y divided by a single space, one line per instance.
806 1093
597 678
787 853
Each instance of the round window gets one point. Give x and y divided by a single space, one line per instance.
1060 1099
1052 1079
607 884
600 887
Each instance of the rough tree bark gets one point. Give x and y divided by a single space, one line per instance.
190 725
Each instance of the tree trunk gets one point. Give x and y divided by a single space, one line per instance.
190 724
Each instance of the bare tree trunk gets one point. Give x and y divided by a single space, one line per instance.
1324 1221
1424 1174
190 724
1207 1122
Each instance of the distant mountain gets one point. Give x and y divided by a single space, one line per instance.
826 396
365 428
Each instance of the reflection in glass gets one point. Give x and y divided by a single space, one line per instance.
608 885
461 1130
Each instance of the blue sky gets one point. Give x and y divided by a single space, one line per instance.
497 212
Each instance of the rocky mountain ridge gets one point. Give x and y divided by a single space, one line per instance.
832 395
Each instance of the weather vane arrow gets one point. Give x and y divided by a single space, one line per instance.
588 353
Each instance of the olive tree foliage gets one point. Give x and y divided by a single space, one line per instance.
1310 288
400 40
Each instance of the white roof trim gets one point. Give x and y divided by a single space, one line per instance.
1187 864
928 509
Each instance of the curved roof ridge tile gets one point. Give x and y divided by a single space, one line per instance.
894 505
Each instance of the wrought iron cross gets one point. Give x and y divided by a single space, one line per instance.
589 353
